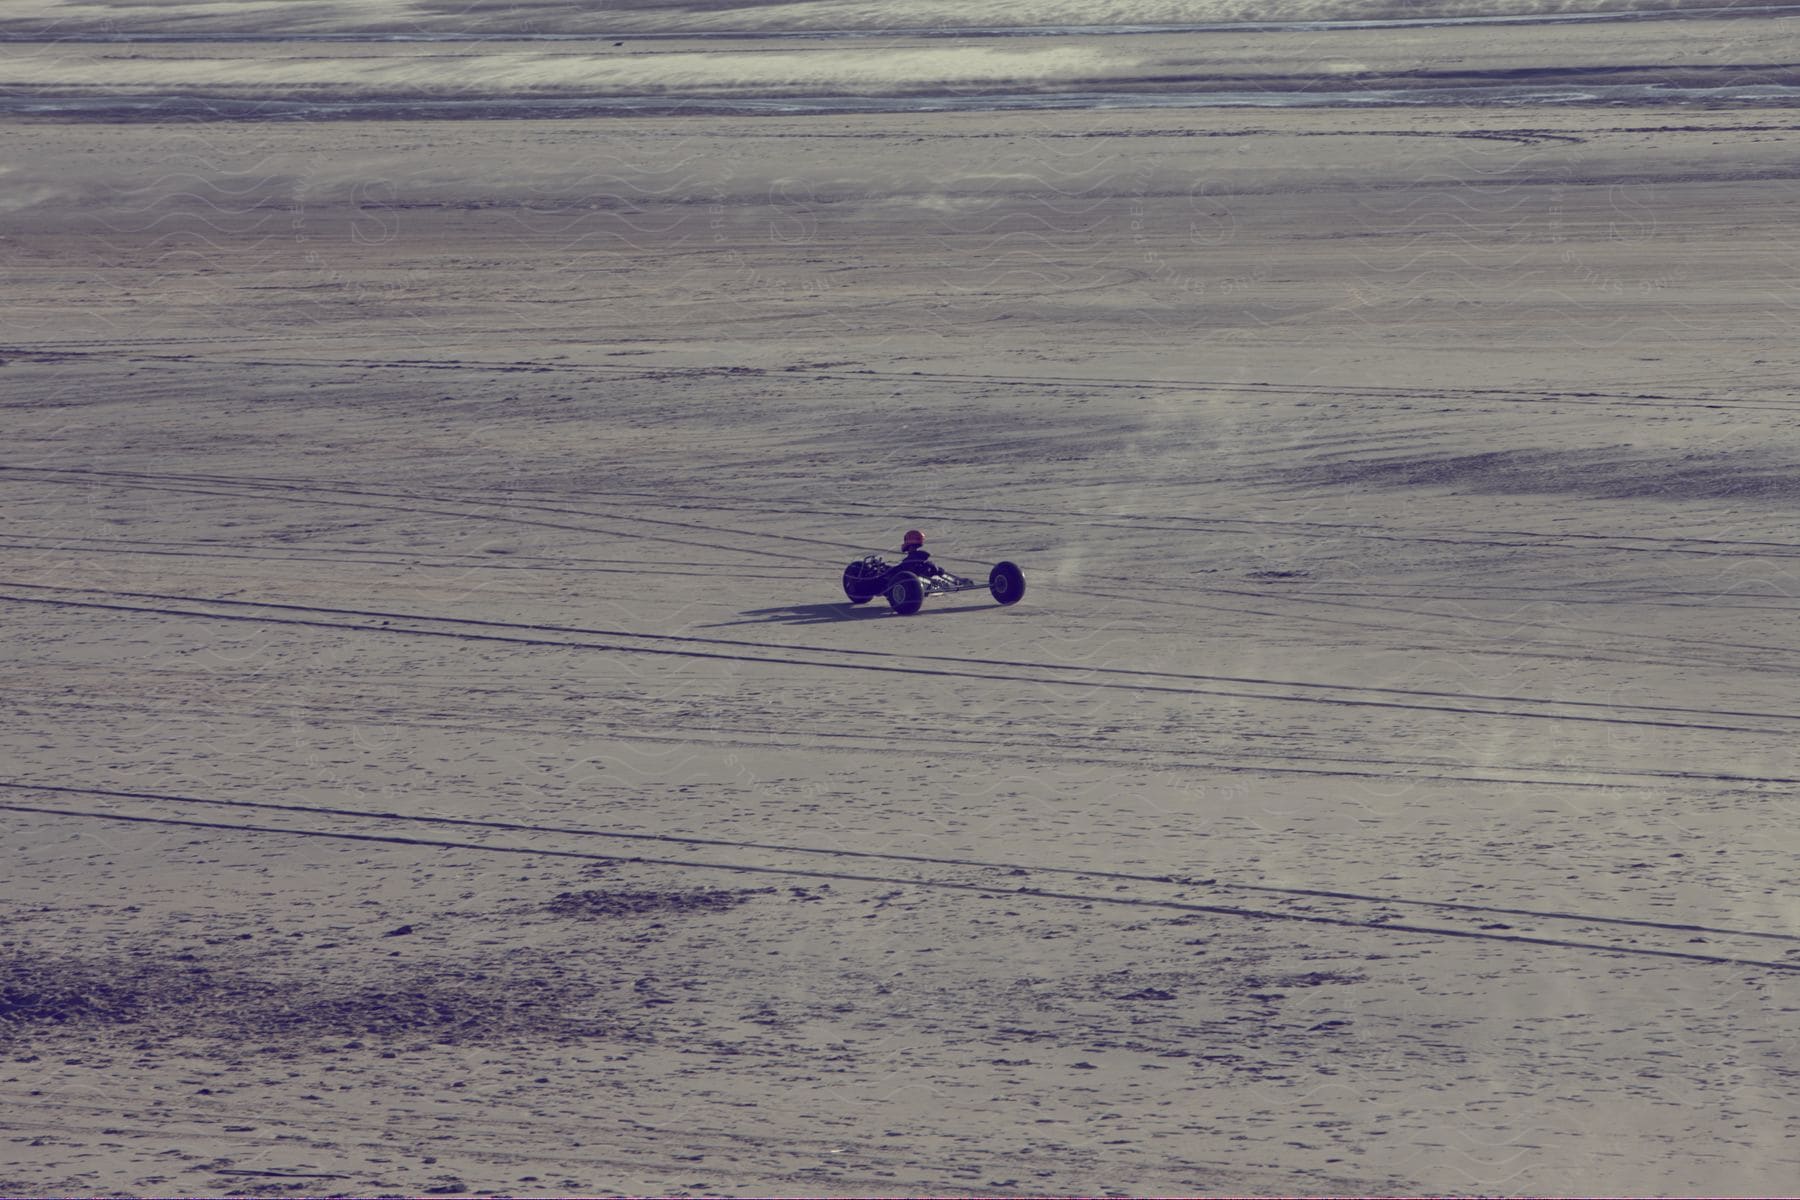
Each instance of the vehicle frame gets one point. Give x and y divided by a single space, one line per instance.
907 589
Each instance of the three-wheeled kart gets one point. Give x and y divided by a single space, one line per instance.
906 588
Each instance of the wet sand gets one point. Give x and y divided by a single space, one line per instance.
1641 62
439 758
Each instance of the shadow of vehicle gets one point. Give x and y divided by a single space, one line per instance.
825 614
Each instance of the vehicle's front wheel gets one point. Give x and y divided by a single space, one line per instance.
906 594
1007 583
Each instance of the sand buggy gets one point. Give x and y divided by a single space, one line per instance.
907 584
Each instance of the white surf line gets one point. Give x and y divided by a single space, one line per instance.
522 630
889 856
1317 25
989 890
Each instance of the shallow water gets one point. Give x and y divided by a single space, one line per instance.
198 108
959 31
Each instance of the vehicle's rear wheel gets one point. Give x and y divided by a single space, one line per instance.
862 582
1007 583
906 594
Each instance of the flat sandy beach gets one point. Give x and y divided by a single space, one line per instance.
438 756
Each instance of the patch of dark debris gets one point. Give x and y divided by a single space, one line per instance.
593 904
1149 993
165 998
1303 980
462 1013
28 995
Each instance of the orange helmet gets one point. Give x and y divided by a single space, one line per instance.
913 540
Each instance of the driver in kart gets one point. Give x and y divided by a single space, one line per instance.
917 559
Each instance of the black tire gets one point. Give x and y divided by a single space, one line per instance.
861 584
1007 583
905 594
